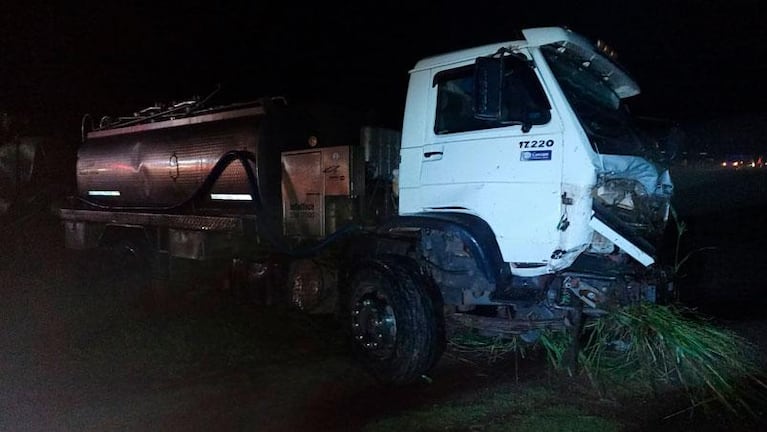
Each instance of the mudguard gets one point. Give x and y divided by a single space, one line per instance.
475 233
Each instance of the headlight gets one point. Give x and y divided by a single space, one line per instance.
621 193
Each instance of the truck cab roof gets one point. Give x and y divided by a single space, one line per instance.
532 37
623 85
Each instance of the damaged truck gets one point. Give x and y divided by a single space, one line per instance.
519 196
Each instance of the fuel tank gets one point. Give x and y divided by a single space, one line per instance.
163 164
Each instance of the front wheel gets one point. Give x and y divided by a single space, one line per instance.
395 326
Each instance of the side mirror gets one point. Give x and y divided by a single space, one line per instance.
488 88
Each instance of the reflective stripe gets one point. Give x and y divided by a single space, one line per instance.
231 197
103 193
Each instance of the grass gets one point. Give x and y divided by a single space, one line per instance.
561 418
656 347
646 350
681 230
465 344
501 408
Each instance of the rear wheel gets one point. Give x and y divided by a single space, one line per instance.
394 324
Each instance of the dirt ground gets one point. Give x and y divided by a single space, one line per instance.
73 358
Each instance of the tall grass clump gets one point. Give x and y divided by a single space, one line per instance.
489 348
664 346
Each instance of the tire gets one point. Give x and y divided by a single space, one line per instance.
396 331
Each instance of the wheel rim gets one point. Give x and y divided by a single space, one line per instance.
374 325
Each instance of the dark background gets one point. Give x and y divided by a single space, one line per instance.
695 60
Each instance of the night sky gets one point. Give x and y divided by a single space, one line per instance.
694 60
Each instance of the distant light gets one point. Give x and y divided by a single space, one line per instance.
724 164
104 193
231 197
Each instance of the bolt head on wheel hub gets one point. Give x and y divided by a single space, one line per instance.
374 325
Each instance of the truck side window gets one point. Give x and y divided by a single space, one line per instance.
524 101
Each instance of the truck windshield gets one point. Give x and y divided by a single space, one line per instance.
606 120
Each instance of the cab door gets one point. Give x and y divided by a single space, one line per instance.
507 170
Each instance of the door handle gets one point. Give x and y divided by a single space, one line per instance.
432 152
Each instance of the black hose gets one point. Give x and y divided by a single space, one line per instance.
313 250
89 118
245 158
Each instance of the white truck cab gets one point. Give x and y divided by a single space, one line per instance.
533 172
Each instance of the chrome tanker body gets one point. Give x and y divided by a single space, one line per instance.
175 159
295 171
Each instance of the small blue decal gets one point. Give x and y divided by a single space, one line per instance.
535 155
